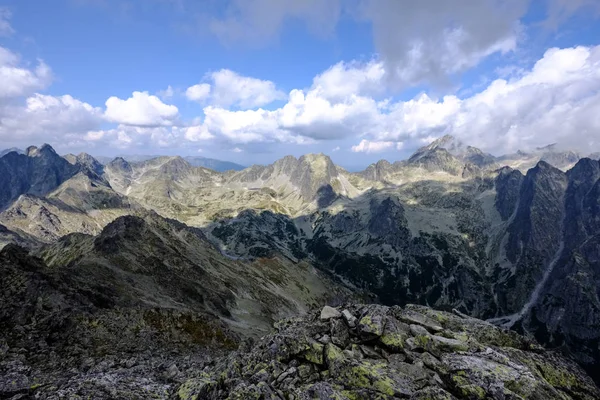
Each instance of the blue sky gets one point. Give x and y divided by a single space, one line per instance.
359 80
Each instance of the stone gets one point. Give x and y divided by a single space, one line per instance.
349 318
394 334
340 336
372 322
328 313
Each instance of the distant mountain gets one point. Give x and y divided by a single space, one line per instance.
196 161
87 161
211 163
16 150
552 154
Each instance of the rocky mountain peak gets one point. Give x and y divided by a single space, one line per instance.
447 142
45 149
175 166
285 165
10 150
314 173
584 168
120 164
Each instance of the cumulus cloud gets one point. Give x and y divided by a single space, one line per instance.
141 109
366 146
5 16
195 133
555 101
47 118
344 80
230 89
199 92
18 81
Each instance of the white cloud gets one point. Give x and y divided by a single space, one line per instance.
230 89
557 101
141 109
237 150
195 133
127 136
366 146
19 81
5 16
336 148
47 118
199 92
344 80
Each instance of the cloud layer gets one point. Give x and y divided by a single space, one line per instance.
350 106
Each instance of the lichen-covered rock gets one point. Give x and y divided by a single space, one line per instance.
412 352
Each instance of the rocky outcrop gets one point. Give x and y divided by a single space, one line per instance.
376 352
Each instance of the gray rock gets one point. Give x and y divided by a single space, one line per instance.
328 313
349 318
361 370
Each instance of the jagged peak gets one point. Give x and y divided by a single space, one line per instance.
119 162
544 168
314 157
11 150
443 142
33 151
583 166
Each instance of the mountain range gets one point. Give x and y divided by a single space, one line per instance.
512 239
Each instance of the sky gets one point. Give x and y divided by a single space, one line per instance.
251 81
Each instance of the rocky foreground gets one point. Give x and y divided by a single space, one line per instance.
376 352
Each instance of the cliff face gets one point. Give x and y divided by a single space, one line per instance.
37 172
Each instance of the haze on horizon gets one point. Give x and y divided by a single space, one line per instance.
252 81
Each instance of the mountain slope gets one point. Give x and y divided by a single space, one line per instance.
137 308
